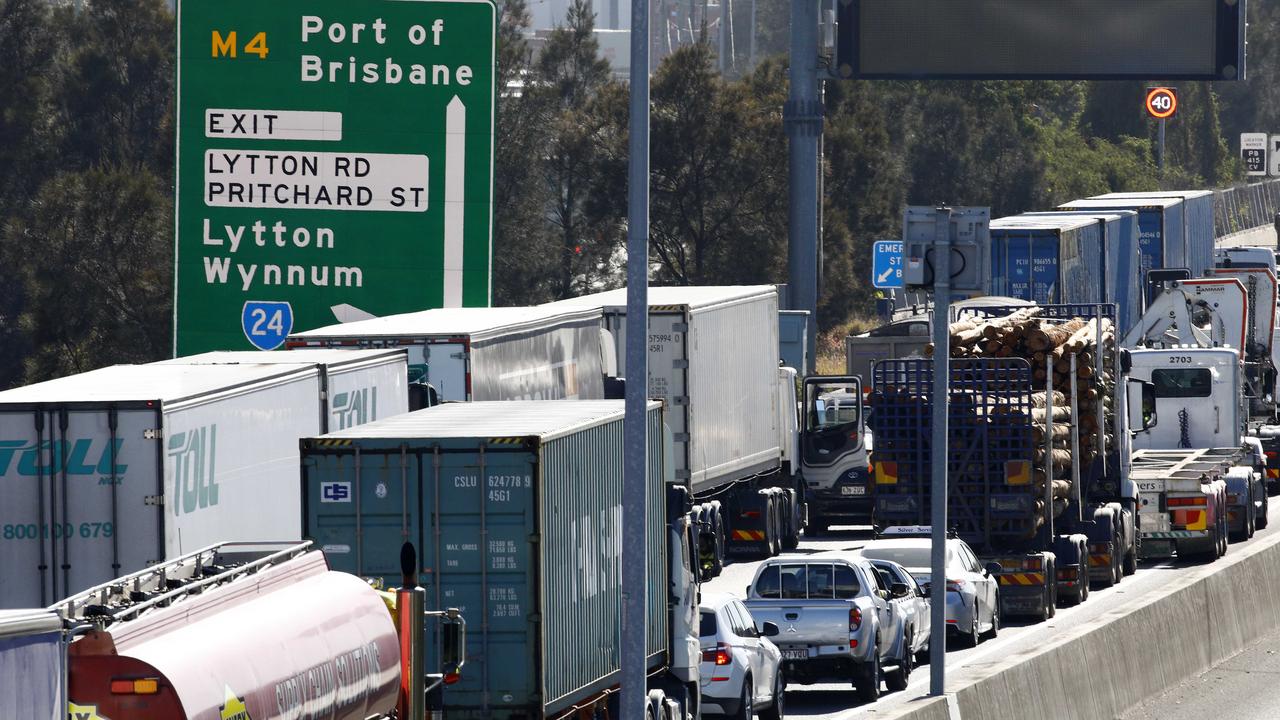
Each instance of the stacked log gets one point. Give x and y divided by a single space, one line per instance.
1049 346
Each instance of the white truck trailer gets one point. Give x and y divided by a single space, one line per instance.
106 472
515 353
356 386
713 357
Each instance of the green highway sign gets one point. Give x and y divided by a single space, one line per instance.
335 161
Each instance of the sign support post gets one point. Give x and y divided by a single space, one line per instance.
938 461
633 642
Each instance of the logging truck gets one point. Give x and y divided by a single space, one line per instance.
1037 453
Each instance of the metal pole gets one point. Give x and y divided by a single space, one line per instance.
1160 155
938 461
751 54
635 455
614 20
802 117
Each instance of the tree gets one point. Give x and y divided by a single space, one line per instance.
98 274
569 76
718 199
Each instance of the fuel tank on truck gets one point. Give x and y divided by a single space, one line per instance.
234 632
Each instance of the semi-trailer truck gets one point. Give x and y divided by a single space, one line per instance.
1036 483
518 508
109 471
253 630
461 354
740 447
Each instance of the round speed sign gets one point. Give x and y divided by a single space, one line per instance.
1162 102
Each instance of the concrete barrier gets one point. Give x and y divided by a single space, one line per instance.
1205 615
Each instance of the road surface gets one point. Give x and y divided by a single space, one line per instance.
831 702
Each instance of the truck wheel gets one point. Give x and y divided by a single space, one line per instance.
1131 561
868 681
718 543
1262 516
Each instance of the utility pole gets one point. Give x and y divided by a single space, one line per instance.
635 469
938 460
802 118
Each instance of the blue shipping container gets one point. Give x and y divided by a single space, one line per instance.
1119 260
516 510
1046 259
1197 224
1160 230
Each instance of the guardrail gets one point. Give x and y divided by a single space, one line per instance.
1245 207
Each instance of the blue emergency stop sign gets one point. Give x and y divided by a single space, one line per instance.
886 264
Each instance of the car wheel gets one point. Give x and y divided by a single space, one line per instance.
896 680
922 657
868 681
777 708
995 619
744 708
971 639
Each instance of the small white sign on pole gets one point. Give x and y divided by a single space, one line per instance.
1253 153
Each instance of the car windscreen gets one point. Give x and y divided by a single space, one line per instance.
707 625
910 557
816 581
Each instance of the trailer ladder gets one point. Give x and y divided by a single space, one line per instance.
165 583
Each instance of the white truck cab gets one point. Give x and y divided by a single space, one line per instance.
1191 398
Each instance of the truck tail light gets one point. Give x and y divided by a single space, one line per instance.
855 619
135 686
1033 563
1271 454
718 655
1188 501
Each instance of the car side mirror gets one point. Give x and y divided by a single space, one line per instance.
994 568
747 591
769 629
924 592
899 590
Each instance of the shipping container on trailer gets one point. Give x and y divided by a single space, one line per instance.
33 666
235 632
356 386
518 509
108 471
1120 261
1161 231
514 353
793 339
1047 259
1198 233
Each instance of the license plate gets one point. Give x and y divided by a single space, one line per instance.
853 490
795 654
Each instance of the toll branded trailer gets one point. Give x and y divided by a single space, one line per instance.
517 353
518 509
108 471
1119 262
356 386
33 666
1046 259
713 357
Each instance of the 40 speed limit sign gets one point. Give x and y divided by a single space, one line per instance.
1162 102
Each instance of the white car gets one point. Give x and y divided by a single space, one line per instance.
972 591
914 604
741 668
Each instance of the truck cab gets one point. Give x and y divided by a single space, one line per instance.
833 453
1191 398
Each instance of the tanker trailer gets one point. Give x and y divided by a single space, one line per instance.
246 630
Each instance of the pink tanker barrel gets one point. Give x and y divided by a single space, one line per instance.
292 641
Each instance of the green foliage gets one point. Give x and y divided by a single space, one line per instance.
86 140
97 271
